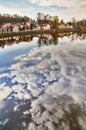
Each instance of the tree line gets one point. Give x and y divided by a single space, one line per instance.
13 18
77 23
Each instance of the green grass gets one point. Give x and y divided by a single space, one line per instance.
28 32
83 29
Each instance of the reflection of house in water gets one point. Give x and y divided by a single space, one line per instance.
9 41
43 39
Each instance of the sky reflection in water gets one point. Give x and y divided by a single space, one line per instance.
44 88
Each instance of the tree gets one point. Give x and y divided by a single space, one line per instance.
6 18
74 22
62 21
54 22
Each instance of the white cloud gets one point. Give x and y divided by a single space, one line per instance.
57 81
65 9
54 70
77 12
54 66
4 92
61 3
16 10
3 123
48 112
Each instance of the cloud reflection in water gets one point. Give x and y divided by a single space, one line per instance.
54 78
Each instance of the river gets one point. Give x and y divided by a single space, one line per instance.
43 82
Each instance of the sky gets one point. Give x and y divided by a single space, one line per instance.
64 9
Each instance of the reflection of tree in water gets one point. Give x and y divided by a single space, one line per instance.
55 39
77 36
13 40
43 39
47 39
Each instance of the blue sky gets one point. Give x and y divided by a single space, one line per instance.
65 9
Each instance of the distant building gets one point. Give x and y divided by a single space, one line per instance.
15 28
46 27
6 27
34 25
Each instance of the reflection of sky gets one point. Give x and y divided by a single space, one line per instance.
9 52
34 70
73 38
52 81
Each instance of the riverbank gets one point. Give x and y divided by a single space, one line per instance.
29 32
33 32
20 33
83 29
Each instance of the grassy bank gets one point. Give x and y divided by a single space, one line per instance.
32 32
28 32
83 29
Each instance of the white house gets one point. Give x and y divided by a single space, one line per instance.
5 27
15 28
46 27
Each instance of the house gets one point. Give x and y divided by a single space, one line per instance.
28 25
35 26
15 28
6 27
46 27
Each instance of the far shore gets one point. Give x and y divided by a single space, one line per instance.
31 32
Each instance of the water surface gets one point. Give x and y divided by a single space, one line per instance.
43 83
